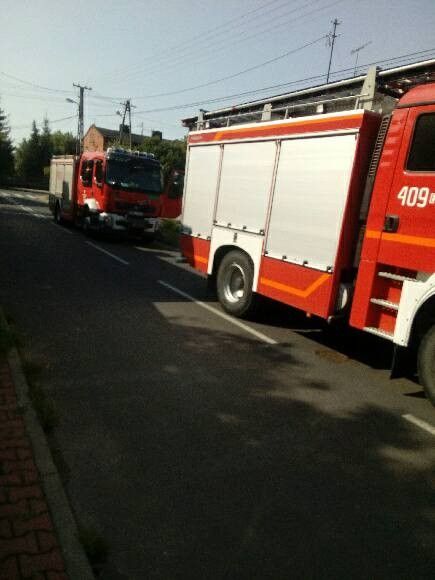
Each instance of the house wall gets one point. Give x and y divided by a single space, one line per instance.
93 140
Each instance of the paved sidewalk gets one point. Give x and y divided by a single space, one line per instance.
28 544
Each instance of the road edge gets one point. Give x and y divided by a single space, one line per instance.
76 562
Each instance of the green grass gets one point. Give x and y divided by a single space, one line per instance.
42 402
169 232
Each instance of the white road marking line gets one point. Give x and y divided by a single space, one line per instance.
32 211
38 215
420 423
226 317
109 253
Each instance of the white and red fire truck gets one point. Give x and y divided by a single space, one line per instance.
115 191
326 204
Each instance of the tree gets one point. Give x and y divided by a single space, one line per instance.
28 156
45 146
33 155
63 143
171 154
6 149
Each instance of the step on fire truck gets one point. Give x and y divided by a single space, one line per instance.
113 191
326 203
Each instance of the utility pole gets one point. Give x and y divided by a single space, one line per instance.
331 37
80 130
127 109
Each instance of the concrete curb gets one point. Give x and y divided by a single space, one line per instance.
76 562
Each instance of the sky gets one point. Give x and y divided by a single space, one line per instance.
172 58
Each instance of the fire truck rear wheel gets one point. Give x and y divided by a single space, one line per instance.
234 284
426 363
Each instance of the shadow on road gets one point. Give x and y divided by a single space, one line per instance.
198 452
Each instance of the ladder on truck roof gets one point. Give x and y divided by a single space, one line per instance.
378 90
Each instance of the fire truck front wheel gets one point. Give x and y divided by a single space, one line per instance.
234 284
426 363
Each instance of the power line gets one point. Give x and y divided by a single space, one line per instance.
205 34
41 124
202 51
34 97
283 85
242 72
114 99
41 87
420 53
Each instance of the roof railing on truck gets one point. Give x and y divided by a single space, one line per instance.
378 90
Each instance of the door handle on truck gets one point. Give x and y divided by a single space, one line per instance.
391 223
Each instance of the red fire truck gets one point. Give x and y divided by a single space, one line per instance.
326 204
172 194
114 191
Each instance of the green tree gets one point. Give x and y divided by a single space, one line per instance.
63 143
33 155
45 146
171 154
28 156
6 149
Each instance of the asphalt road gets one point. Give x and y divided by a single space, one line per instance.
201 449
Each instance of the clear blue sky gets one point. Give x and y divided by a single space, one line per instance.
141 49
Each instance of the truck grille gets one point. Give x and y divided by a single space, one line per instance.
144 208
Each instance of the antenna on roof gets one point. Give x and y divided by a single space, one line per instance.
357 51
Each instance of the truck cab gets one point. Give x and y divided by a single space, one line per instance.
119 190
395 286
116 190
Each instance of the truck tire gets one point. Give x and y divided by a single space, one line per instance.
234 284
426 364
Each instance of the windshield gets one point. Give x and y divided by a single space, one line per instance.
134 174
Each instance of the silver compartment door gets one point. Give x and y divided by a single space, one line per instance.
200 190
310 196
60 174
246 180
67 186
